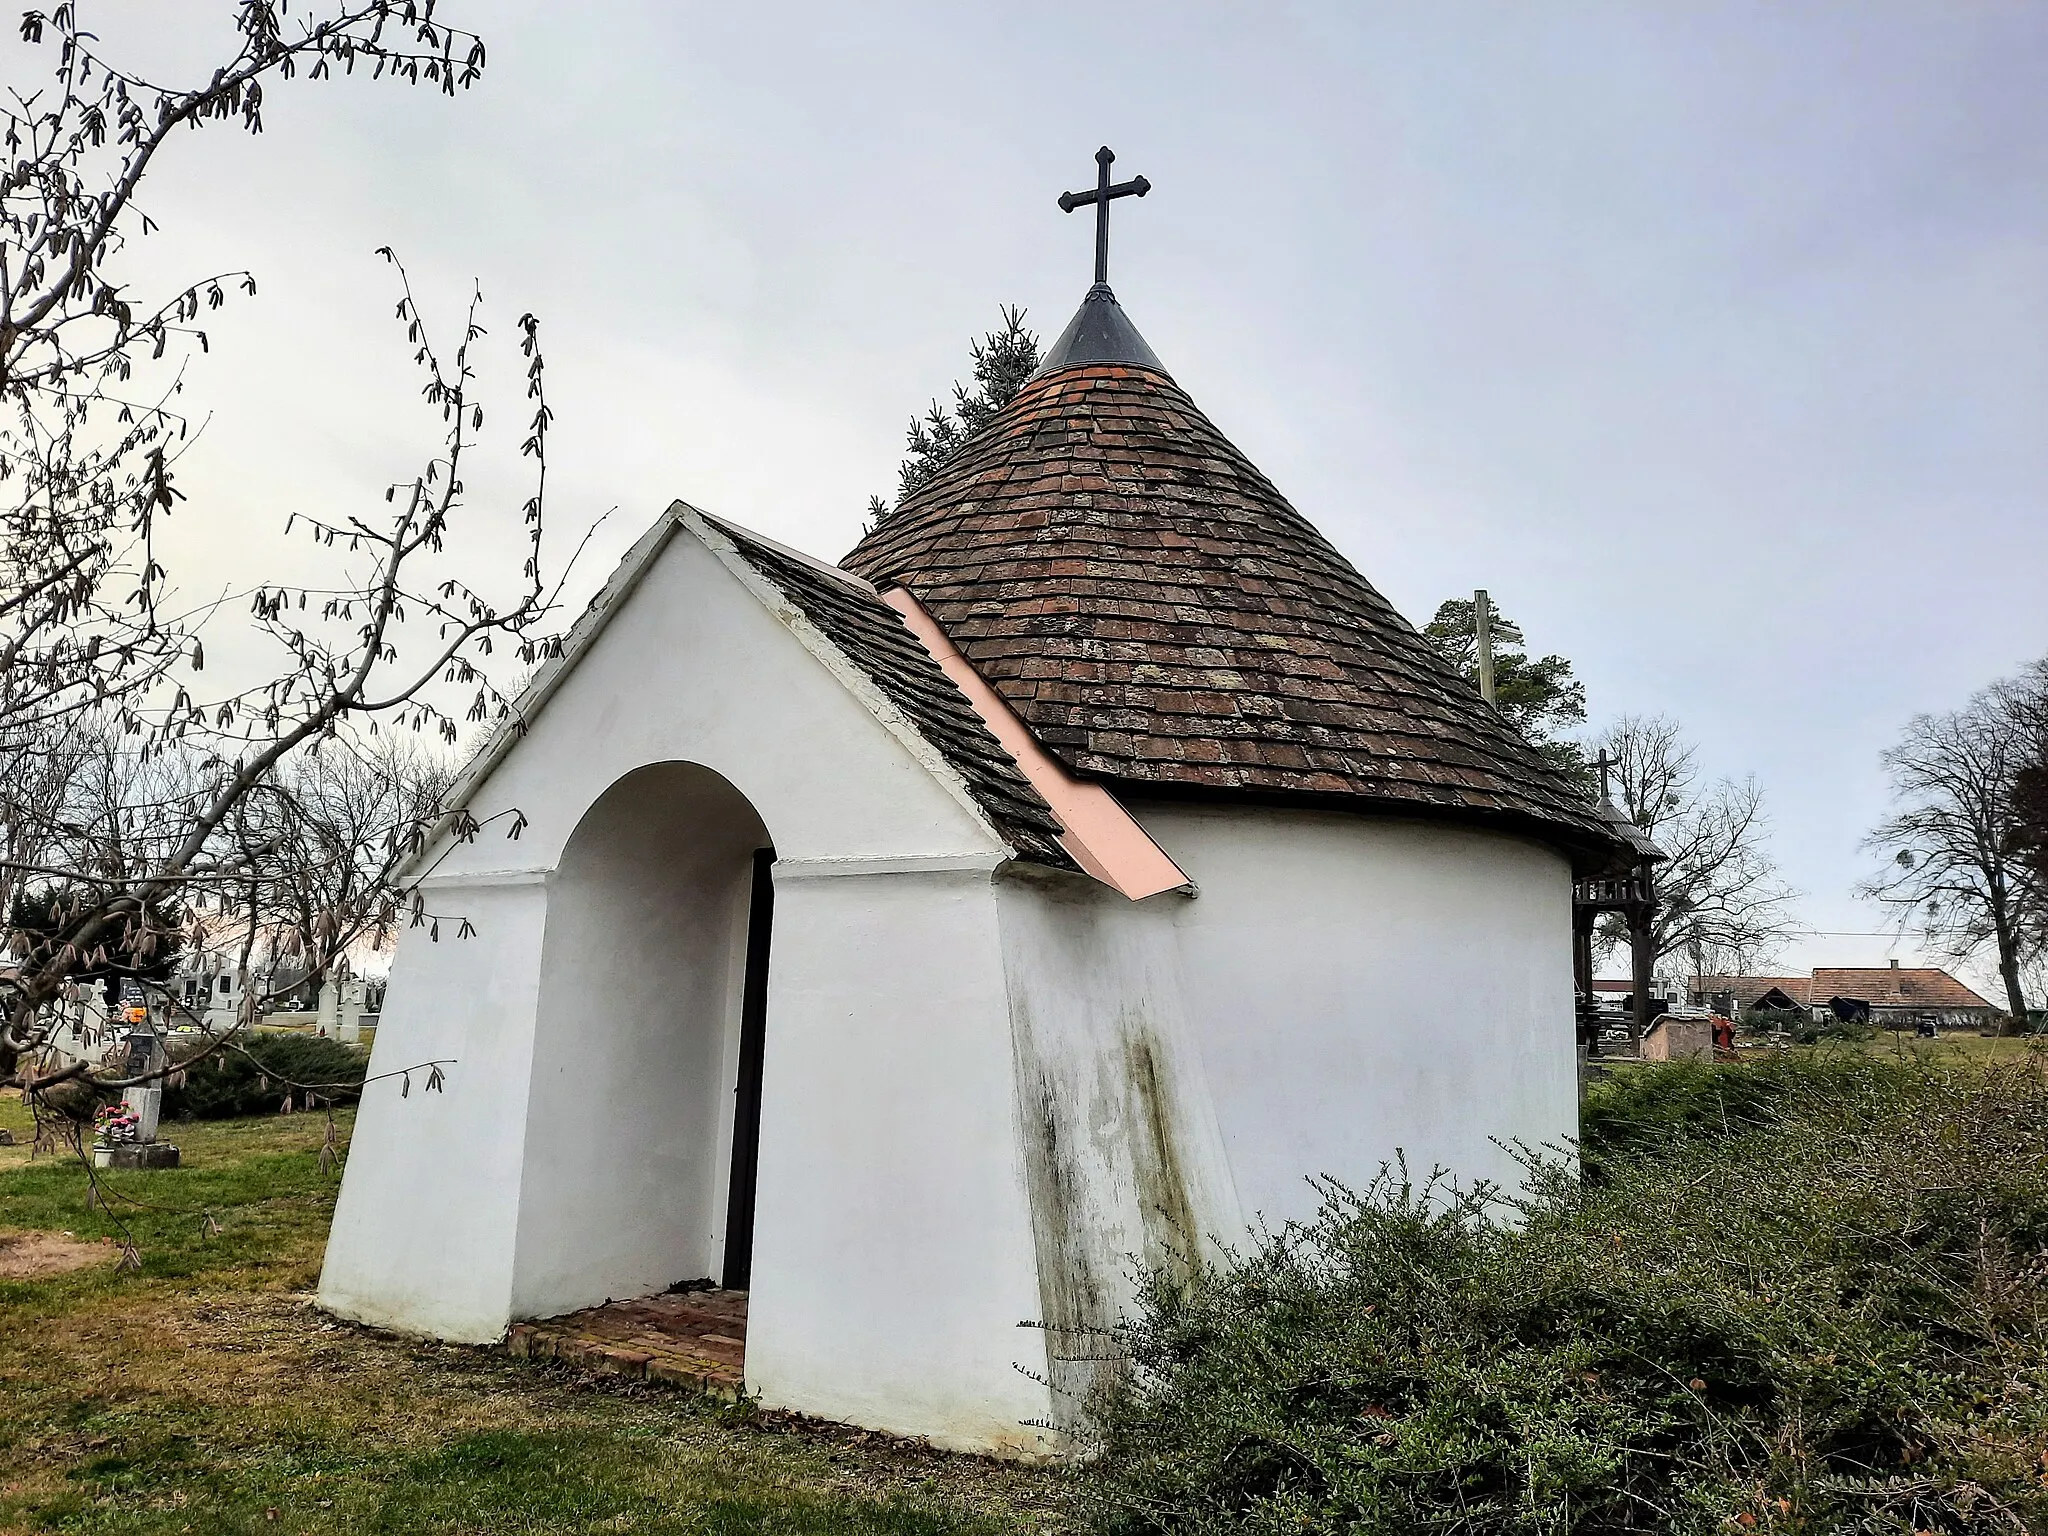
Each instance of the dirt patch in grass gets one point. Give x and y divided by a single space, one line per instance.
37 1255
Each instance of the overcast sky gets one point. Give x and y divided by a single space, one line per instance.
1713 339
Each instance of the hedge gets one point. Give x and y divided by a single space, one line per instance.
254 1073
1809 1299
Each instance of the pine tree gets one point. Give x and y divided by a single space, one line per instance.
1003 360
1540 696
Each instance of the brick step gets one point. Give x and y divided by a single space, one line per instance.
695 1340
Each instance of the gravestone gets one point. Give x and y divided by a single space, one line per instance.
145 1054
1676 1039
223 1009
354 1004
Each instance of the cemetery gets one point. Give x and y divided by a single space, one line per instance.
560 976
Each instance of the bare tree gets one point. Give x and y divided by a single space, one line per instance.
2026 699
90 369
41 774
220 805
252 832
1956 871
335 826
1719 894
107 825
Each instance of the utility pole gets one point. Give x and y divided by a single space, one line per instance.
1482 635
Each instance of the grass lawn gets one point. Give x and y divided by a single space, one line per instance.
1981 1049
1966 1047
205 1394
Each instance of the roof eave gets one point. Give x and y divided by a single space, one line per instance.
626 577
1587 848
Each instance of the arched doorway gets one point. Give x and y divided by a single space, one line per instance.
645 1092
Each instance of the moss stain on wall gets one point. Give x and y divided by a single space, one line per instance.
1172 1234
1072 1296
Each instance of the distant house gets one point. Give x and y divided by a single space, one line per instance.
1898 997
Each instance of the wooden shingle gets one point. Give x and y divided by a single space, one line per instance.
872 635
1163 619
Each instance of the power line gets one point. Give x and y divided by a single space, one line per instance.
1846 933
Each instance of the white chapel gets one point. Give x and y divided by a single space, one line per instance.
919 943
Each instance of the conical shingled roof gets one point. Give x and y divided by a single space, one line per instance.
1157 613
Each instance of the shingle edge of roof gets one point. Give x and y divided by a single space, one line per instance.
1027 839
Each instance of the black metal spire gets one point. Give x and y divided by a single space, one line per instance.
1100 332
1101 195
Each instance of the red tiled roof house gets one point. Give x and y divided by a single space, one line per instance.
1898 997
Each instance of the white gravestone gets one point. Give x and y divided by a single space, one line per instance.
354 997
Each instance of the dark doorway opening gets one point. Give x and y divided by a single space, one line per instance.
746 1114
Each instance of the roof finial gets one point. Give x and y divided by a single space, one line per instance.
1100 196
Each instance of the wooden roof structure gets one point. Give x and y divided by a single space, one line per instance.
1748 990
1159 615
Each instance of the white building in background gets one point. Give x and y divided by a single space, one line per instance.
1128 859
204 994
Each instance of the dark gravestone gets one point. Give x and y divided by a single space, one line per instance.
145 1055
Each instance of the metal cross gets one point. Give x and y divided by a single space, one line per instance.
1101 196
1603 763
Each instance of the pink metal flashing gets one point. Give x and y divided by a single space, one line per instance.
1104 838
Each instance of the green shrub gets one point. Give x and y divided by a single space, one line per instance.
1814 1031
76 1100
253 1073
1775 1021
1641 1110
1829 1314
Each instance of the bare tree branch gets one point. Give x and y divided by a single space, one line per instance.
1958 868
1719 893
269 819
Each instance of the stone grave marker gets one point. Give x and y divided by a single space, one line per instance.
129 1141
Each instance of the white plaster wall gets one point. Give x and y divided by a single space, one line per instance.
423 1232
627 1159
893 1257
693 668
1360 986
1342 988
1123 1155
